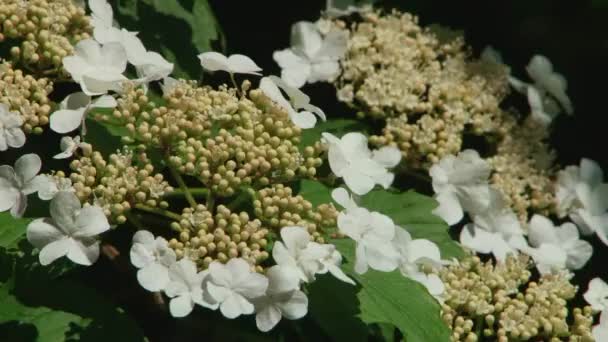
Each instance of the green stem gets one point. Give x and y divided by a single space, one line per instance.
238 90
182 185
195 192
159 211
210 201
134 220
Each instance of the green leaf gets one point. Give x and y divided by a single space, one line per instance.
389 297
315 192
105 138
412 211
177 32
55 308
337 127
12 230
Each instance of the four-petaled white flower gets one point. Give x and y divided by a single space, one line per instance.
17 183
283 298
350 158
234 64
185 288
460 184
297 100
48 186
71 231
306 258
372 231
312 57
582 194
68 146
74 108
97 68
494 230
11 134
232 286
153 257
566 249
597 295
415 254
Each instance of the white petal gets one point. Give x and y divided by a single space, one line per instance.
62 208
8 195
65 120
303 119
597 294
54 251
105 101
294 69
41 232
591 172
20 205
341 196
282 279
324 71
306 38
267 318
15 137
337 272
91 221
214 61
360 259
357 182
334 45
296 307
140 255
236 305
114 56
387 156
181 306
541 230
295 238
281 255
27 167
578 254
83 254
243 65
154 277
476 239
449 208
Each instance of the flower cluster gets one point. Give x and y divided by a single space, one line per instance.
501 302
42 31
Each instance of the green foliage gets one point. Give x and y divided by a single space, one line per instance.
177 32
389 297
42 304
12 230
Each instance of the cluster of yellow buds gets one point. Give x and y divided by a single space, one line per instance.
205 236
498 301
27 95
126 180
433 98
42 32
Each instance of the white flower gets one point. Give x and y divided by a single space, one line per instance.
17 183
68 146
233 285
48 186
283 298
234 64
565 241
460 183
11 134
102 19
600 330
71 231
312 57
597 294
495 230
306 258
582 194
350 158
335 12
541 71
418 253
153 257
297 100
98 69
73 110
372 231
543 109
149 65
185 288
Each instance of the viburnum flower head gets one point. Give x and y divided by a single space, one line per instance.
494 230
11 134
74 108
17 183
70 231
297 100
232 286
312 57
296 252
557 247
234 64
97 68
283 298
416 254
597 295
373 233
460 184
185 288
351 159
153 257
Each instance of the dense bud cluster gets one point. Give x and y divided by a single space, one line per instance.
278 207
42 32
434 98
117 185
500 302
223 140
26 95
205 237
